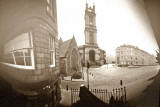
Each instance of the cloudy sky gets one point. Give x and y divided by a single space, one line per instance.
118 22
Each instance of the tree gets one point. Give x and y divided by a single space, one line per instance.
158 56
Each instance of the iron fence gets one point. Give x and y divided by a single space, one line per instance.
119 94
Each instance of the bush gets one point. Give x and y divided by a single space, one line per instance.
98 63
77 75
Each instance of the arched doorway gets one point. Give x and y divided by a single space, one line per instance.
92 55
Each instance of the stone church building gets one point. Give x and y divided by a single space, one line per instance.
90 51
70 61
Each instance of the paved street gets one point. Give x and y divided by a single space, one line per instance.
135 79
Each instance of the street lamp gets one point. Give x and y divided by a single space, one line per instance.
88 78
82 63
88 73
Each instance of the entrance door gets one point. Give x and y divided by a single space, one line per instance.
92 55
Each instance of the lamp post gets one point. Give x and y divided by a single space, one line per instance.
82 63
88 78
88 73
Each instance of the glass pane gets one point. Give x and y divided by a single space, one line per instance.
51 58
23 56
27 52
19 60
52 50
54 59
28 61
18 53
8 58
53 43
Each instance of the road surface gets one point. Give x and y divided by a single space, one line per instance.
108 77
135 79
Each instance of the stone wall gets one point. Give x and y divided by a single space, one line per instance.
42 52
69 64
63 66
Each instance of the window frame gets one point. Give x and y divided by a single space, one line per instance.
50 8
52 51
24 57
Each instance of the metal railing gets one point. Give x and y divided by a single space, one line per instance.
119 94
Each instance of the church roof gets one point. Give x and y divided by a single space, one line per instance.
60 41
64 47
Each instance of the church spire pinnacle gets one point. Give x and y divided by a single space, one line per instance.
93 6
86 4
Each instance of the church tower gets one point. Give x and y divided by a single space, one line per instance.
90 52
90 26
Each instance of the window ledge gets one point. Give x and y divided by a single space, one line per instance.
19 66
52 66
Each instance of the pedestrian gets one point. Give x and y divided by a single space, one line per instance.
88 66
87 73
121 82
67 87
112 102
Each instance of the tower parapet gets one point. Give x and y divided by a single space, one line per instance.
91 8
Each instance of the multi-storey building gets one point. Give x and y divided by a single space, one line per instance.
90 51
29 46
131 55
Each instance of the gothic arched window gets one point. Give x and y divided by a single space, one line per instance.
74 60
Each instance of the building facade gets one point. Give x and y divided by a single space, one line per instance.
131 55
110 59
90 51
30 51
70 61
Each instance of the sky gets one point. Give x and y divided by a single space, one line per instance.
118 22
